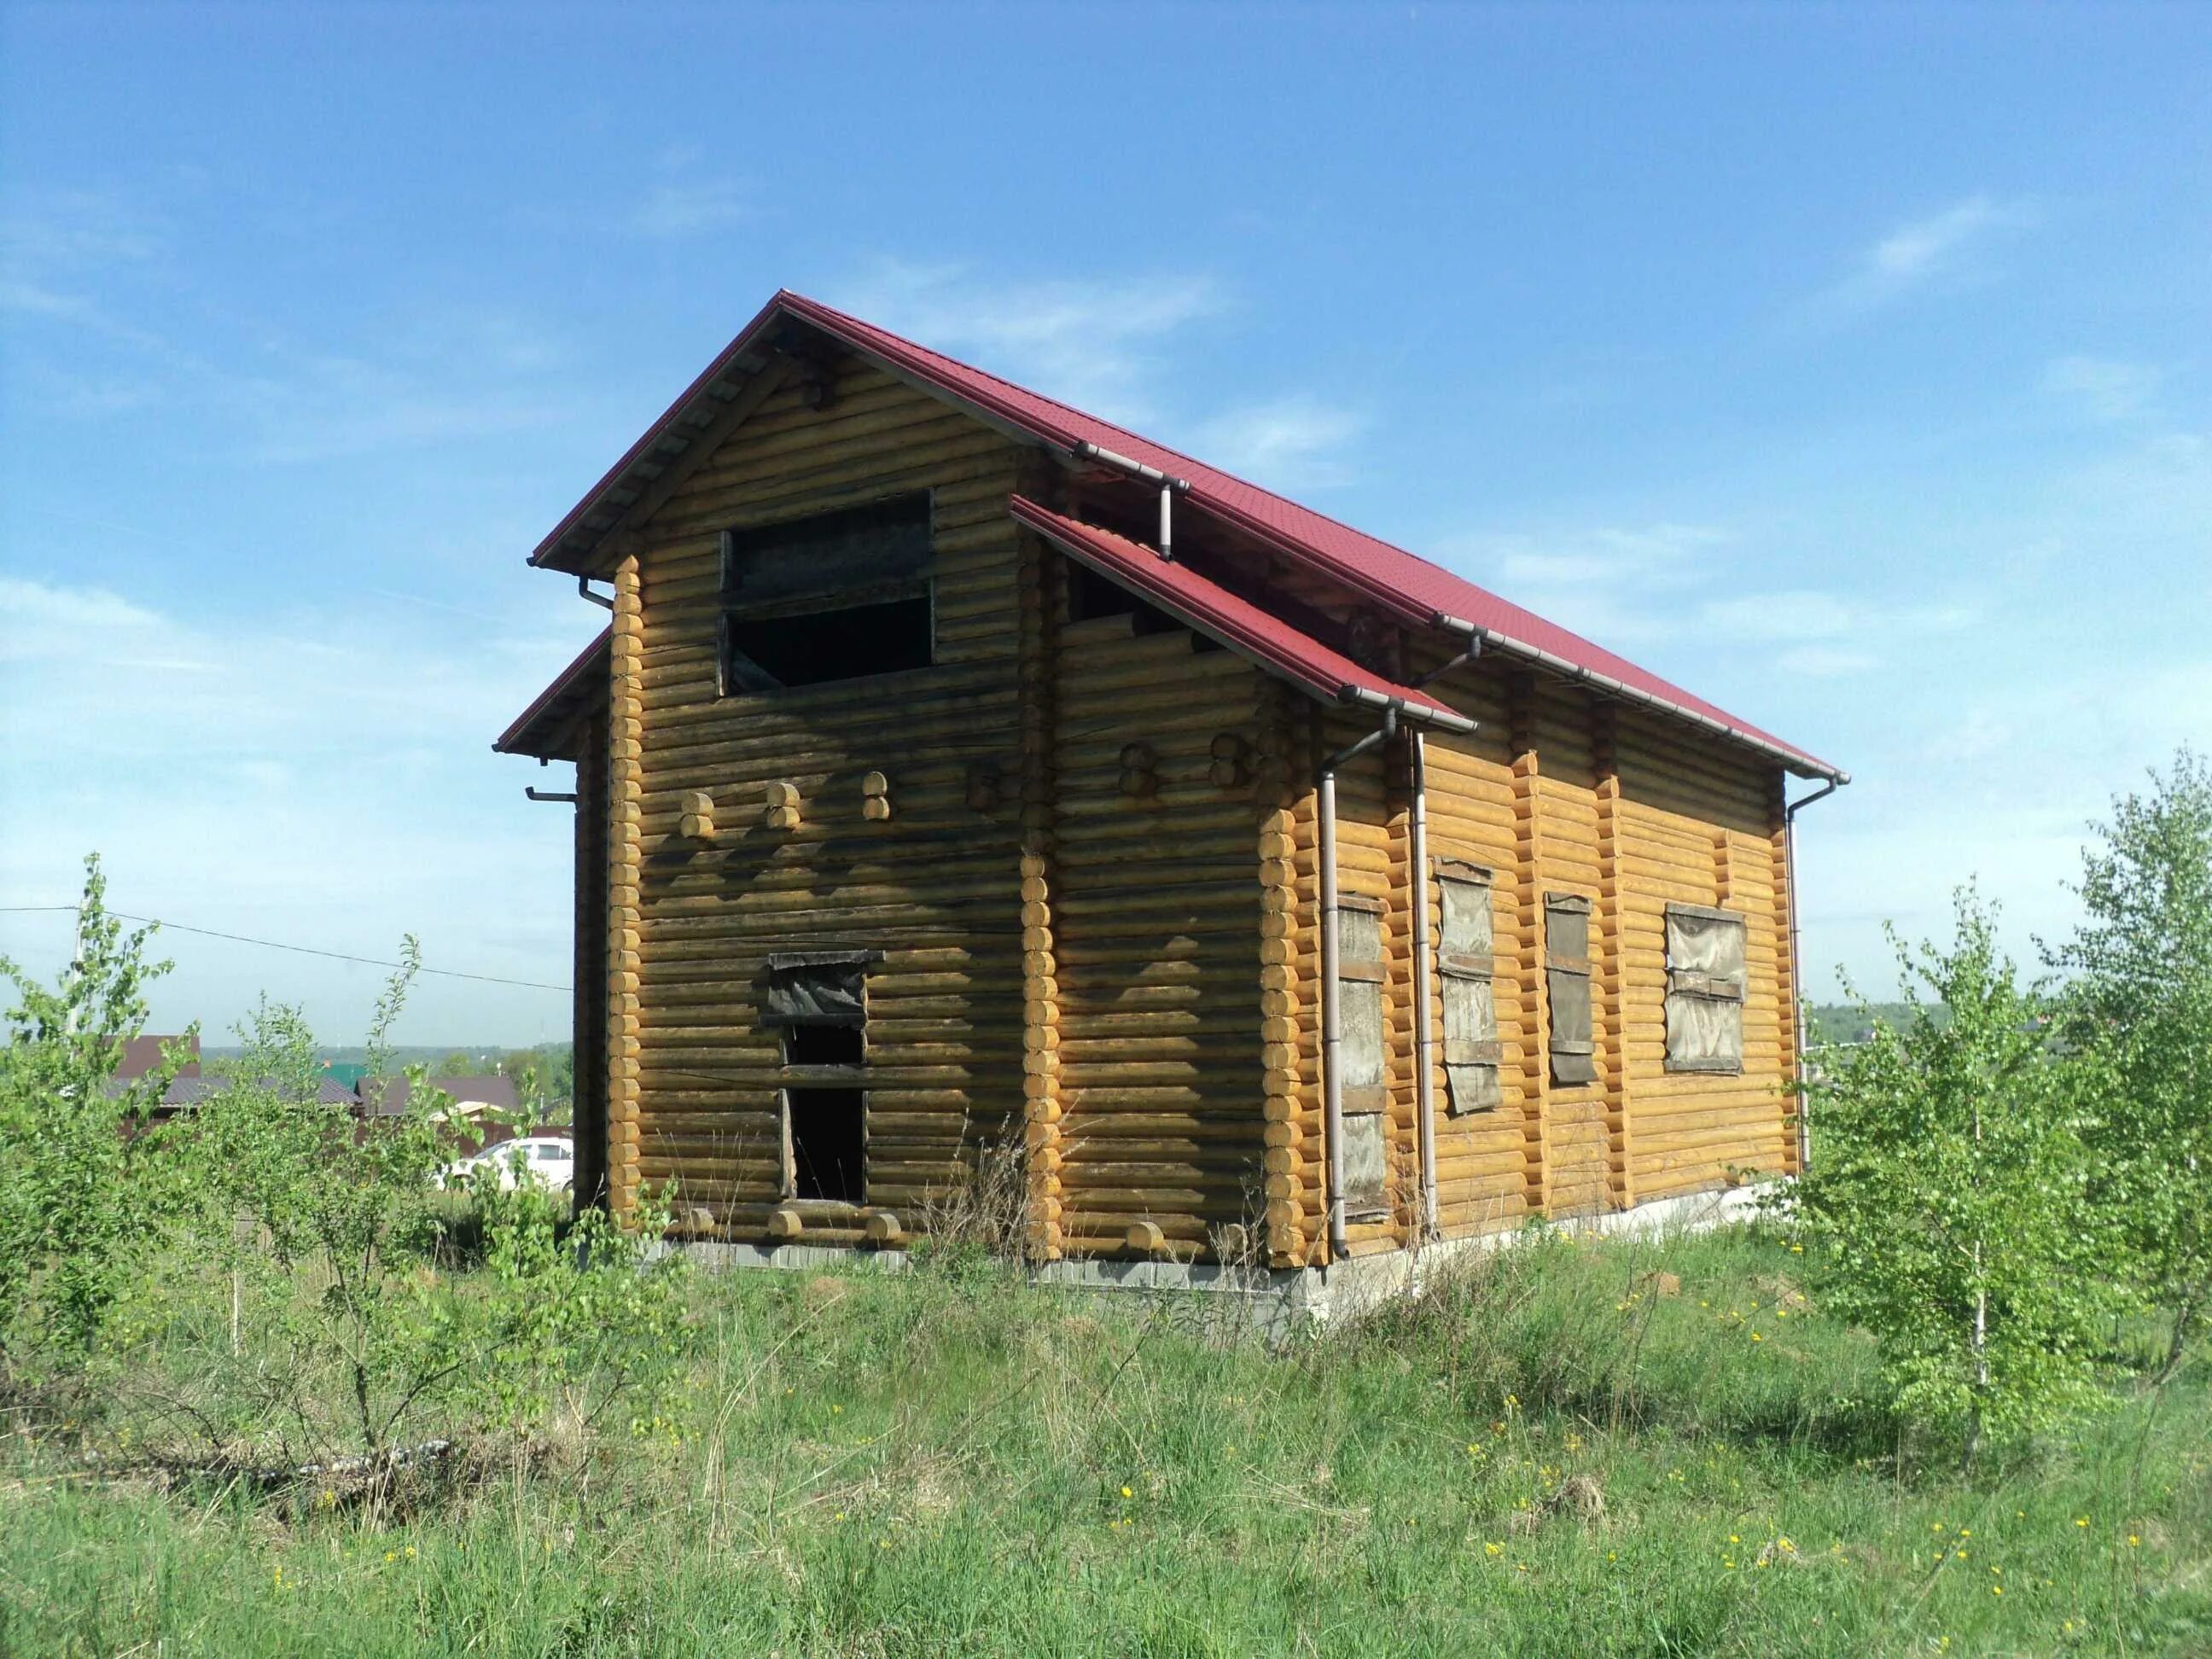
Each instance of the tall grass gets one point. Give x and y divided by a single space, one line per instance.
1584 1448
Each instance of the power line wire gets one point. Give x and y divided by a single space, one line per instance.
274 945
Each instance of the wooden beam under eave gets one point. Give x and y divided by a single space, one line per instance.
701 441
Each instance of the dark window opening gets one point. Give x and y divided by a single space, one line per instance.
821 1045
829 1143
761 654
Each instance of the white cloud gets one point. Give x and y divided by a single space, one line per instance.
2105 388
1086 343
1943 249
43 623
1286 445
320 778
672 209
1826 661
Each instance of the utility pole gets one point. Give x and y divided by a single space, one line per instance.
76 971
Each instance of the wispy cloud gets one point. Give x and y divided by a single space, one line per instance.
1943 249
1641 587
1292 443
1087 342
674 208
2104 388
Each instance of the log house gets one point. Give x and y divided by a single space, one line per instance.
961 776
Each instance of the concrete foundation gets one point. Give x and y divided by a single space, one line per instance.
1279 1299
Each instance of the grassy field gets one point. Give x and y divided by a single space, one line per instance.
1571 1450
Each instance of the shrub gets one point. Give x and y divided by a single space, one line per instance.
81 1193
1949 1196
2142 1001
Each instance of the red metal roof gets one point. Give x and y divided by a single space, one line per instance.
1389 576
1236 622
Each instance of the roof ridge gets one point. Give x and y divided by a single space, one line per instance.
913 345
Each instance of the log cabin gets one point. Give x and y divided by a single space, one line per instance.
961 776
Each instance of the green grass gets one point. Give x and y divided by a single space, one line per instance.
936 1463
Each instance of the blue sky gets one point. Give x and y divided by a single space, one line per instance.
1847 365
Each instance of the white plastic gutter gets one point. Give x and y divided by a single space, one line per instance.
1170 486
1803 765
1425 1093
1790 810
1331 1013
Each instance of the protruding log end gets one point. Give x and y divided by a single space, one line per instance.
1145 1237
883 1227
785 1223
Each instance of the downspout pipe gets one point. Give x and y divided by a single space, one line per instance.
1331 1013
1425 1088
1790 810
1169 485
1425 1093
584 587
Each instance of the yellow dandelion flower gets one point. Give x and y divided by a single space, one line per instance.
1126 1492
411 1551
2133 1541
1756 1337
1493 1549
1996 1590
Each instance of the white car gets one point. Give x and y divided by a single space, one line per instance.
547 1161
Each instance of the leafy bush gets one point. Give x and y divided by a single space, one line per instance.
1950 1200
82 1194
2141 1001
264 1282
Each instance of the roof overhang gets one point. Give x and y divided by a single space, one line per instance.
551 727
1232 621
1413 590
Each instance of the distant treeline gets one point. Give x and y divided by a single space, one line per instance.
1842 1022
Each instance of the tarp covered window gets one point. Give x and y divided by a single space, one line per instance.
1706 979
1567 985
817 987
1466 963
1364 1096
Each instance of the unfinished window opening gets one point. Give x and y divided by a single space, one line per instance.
834 596
821 1045
1466 966
1364 1091
829 1143
762 654
1567 982
1705 983
817 1002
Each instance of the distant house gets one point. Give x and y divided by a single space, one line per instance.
142 1054
387 1097
192 1085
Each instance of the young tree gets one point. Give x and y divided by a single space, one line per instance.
76 1190
2142 994
1950 1193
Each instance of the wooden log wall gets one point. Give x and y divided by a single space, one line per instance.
1699 828
1157 924
1560 791
936 885
625 795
